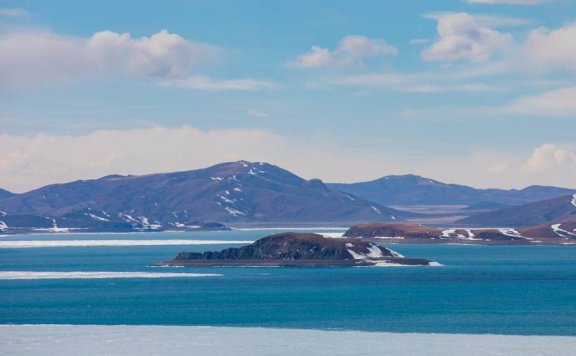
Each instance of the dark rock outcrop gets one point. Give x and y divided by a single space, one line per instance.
298 249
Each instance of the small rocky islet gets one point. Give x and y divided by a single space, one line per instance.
299 250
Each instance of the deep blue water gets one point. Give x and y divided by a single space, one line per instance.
480 289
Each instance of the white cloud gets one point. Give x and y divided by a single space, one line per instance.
551 49
202 82
40 58
350 50
27 162
551 158
30 161
257 113
462 37
507 2
13 12
559 102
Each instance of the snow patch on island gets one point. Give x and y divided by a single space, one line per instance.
561 232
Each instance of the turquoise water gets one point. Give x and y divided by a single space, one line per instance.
524 290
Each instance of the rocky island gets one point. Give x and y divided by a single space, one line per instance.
299 250
561 231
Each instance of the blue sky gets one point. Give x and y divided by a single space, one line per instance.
476 92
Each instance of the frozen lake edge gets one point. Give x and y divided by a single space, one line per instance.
200 340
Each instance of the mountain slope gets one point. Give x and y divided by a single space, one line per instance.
4 193
538 213
417 190
228 192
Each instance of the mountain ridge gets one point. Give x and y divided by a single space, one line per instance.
411 189
532 214
230 192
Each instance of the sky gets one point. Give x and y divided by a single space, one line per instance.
476 92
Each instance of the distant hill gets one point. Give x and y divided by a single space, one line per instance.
235 192
537 213
416 190
560 231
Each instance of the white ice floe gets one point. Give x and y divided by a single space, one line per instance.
106 243
97 275
561 232
147 340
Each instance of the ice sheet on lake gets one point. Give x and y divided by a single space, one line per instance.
106 243
12 275
221 341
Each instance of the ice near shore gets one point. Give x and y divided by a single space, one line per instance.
224 341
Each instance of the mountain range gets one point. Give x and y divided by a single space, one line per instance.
240 193
234 192
415 190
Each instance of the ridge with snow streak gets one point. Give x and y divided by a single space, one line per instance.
234 192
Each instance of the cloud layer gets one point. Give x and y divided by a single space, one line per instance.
350 50
38 58
27 162
461 37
